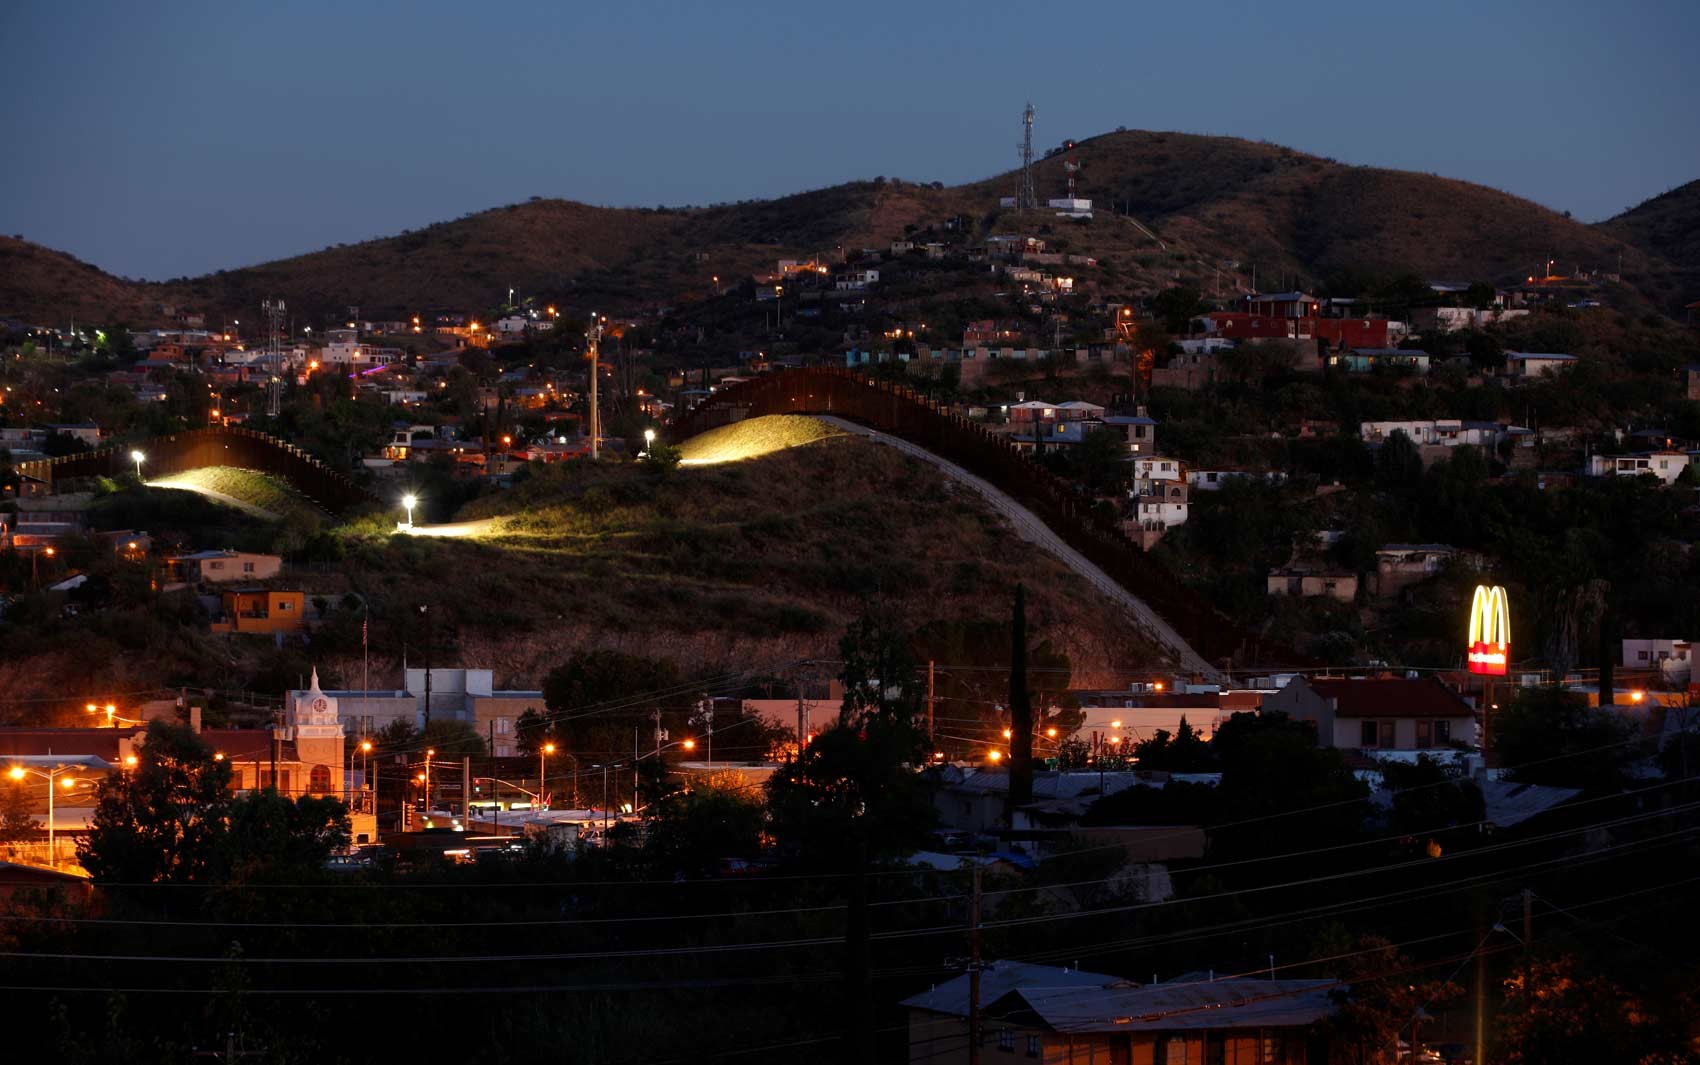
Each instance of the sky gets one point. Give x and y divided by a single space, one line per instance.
166 140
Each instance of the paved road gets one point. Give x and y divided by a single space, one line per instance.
1028 526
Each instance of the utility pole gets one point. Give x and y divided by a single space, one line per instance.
595 336
425 611
974 971
930 740
466 789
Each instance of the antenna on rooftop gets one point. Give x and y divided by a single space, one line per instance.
1072 165
1026 199
274 311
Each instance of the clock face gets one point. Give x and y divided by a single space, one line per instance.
321 704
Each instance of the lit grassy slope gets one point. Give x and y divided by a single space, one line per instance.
753 438
256 493
743 565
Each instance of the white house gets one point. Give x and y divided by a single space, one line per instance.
1213 480
855 280
1652 652
1148 468
1438 432
1665 465
1532 364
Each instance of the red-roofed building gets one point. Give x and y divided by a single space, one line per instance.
1379 713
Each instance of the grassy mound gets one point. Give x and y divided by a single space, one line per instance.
256 493
753 438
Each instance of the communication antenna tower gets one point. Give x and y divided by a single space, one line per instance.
274 311
1027 199
1072 165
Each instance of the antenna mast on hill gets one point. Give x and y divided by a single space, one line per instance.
1026 199
274 311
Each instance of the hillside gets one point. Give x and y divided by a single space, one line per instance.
1218 205
1667 226
742 565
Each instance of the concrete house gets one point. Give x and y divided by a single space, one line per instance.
214 567
1378 714
1062 1016
262 611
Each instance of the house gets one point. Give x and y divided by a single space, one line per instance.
1435 432
1190 370
1691 389
1139 430
1056 1015
262 610
1645 653
1398 566
1348 332
1527 364
213 567
1309 582
1378 714
855 280
87 432
1213 480
1365 360
1667 466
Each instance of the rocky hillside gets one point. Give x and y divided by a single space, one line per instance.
1209 210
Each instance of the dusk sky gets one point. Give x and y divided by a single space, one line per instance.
179 138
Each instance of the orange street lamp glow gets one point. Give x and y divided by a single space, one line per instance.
218 756
17 773
1007 734
994 755
1115 741
365 746
130 761
1116 724
690 745
1636 697
1157 686
1051 732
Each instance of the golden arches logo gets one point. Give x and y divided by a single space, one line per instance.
1490 631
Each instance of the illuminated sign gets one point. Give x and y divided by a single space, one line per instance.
1490 631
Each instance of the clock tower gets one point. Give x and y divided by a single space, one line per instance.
315 727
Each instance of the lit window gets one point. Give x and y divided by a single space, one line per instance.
1006 1040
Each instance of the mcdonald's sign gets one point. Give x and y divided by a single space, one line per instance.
1490 631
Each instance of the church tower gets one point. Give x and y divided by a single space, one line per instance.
317 732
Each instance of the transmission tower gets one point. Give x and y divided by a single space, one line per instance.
1026 199
274 312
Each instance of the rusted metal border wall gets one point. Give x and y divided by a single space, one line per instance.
214 446
902 411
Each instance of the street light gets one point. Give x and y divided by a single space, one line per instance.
137 457
409 501
18 773
546 749
648 440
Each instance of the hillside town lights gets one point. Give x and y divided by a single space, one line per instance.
18 773
1490 632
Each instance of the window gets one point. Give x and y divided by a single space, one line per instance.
502 725
284 606
1367 734
1387 738
1033 1046
247 567
319 782
215 565
1006 1040
1442 733
1425 734
1172 1051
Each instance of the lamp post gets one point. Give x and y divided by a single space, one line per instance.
366 774
648 440
35 557
409 501
546 749
429 752
137 457
18 773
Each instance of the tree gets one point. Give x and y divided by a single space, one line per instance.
595 698
1181 752
1399 467
879 670
17 818
1562 1011
1549 736
694 831
1175 307
1379 1002
271 836
163 820
1487 352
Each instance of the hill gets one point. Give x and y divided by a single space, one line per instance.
1210 210
753 438
1667 226
737 566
